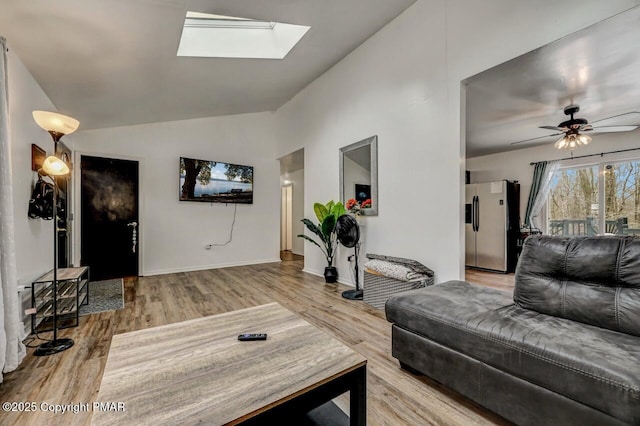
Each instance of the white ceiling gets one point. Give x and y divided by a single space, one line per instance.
597 68
113 62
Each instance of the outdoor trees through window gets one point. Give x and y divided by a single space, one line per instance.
576 207
622 192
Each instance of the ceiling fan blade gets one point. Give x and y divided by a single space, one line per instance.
586 128
614 129
620 117
559 129
534 139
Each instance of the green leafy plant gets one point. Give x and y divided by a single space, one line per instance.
325 230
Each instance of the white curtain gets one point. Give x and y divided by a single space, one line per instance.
543 194
12 351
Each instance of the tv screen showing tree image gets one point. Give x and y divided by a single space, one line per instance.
215 182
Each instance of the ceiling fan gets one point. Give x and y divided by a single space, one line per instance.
572 130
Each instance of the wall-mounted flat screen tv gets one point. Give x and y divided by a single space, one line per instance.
215 182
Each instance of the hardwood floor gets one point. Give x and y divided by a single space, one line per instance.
286 255
490 279
394 396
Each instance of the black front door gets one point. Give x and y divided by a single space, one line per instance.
109 214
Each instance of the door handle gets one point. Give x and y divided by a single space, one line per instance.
134 235
477 213
473 214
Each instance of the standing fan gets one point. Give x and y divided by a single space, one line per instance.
348 233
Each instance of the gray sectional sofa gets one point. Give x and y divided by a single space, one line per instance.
563 350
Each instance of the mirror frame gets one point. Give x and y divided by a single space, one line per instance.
373 143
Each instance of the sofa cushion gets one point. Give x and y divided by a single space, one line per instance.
595 366
594 280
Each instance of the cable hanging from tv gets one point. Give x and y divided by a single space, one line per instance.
233 223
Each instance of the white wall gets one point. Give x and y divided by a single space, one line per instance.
376 90
515 165
173 233
34 237
403 84
297 181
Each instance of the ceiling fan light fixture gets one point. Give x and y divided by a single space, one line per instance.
584 139
574 129
562 143
572 141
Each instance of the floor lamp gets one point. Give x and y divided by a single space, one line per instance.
57 125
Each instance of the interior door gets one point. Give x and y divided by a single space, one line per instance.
109 215
469 226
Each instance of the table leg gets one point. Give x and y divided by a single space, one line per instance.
358 398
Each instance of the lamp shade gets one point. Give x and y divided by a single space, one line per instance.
56 123
54 166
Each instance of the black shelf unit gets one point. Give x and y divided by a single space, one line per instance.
73 292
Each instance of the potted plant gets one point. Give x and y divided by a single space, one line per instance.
325 230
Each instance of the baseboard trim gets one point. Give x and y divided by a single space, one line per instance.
347 283
312 272
321 274
206 267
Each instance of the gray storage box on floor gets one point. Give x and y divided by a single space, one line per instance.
378 288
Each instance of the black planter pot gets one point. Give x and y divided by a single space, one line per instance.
330 274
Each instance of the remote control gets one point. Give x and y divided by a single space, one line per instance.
252 336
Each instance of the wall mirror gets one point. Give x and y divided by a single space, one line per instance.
359 173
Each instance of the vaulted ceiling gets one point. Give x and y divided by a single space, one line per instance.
113 63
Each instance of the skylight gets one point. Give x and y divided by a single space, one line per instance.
217 36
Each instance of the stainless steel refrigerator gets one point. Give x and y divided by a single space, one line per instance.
492 223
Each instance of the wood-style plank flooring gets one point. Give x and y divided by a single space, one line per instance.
394 396
490 279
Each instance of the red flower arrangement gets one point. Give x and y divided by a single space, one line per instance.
355 207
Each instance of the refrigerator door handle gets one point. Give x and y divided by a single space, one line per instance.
477 212
473 214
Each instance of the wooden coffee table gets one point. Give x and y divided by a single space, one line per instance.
197 372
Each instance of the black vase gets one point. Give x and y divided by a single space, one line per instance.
330 274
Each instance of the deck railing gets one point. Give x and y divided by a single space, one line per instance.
589 226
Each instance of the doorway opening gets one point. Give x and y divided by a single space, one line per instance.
292 206
286 213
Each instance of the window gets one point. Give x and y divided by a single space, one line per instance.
573 201
597 199
622 197
216 36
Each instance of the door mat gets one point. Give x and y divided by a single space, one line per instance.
107 295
